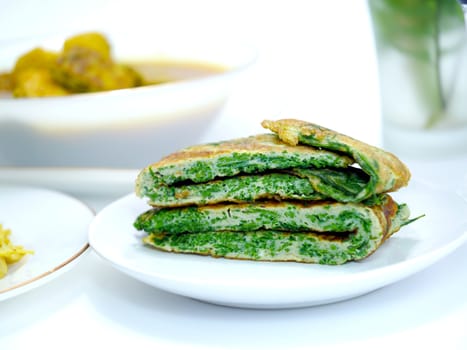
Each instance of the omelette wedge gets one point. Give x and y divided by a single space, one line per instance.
176 179
386 172
314 232
303 193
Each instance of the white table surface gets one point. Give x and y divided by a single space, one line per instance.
317 63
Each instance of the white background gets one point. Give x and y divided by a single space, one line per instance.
316 62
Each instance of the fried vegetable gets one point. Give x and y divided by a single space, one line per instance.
83 65
3 267
81 69
94 42
35 59
6 82
9 253
37 82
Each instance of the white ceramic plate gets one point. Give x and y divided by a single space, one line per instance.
51 224
283 285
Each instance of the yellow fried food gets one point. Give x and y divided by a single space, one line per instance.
6 82
86 65
9 253
92 41
83 65
36 58
81 69
36 82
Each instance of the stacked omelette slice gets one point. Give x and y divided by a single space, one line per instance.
303 193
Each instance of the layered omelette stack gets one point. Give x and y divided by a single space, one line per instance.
302 193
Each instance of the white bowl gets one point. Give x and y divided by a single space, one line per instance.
122 128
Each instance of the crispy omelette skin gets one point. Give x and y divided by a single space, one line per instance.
268 166
247 155
387 173
227 159
315 232
303 194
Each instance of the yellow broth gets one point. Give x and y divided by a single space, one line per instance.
169 71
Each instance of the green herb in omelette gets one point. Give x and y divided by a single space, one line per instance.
304 194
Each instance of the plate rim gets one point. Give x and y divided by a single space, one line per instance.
57 269
392 271
47 273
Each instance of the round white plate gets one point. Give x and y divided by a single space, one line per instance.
50 223
282 285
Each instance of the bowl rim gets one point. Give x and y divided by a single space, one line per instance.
131 105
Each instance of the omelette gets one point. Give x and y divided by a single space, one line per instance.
300 193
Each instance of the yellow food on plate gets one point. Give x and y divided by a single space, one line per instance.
9 253
82 69
36 82
92 41
35 59
6 82
84 64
